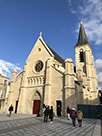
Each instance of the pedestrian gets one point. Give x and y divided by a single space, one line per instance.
73 115
51 115
46 114
79 117
59 110
68 112
48 110
10 109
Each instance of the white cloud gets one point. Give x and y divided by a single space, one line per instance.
6 68
98 64
99 76
91 12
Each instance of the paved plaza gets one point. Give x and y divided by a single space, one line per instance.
29 125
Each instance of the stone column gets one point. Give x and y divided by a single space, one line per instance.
11 91
69 85
47 95
22 92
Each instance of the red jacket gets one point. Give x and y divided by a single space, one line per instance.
73 113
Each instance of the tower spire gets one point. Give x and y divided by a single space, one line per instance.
82 39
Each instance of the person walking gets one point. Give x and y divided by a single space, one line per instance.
73 115
48 110
46 114
10 110
79 117
68 112
51 115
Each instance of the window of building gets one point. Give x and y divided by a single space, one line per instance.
31 82
1 93
39 66
81 55
5 82
39 49
28 82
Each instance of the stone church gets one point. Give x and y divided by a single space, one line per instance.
48 79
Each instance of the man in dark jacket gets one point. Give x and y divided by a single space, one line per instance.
51 114
46 114
68 112
48 110
10 109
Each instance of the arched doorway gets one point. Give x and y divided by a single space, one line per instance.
36 102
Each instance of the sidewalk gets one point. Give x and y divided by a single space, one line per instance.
5 117
29 125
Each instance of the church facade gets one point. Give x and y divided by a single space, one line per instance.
48 79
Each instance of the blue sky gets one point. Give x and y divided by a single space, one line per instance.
21 21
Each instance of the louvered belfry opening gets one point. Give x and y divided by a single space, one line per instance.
81 55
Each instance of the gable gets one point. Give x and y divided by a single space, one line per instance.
38 52
41 46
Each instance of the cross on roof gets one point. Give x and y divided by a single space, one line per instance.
40 33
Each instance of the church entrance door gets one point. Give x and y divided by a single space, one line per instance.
36 106
59 107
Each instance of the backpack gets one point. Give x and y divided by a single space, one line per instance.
73 113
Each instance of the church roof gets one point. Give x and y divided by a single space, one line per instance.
51 51
57 57
82 39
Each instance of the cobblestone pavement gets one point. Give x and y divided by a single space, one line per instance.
28 125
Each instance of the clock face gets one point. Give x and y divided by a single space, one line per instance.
39 66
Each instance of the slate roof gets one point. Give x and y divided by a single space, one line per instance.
82 39
56 56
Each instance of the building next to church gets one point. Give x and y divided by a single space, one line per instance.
4 92
49 79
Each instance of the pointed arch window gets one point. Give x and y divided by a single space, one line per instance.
81 55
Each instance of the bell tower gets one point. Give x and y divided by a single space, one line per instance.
85 62
82 51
